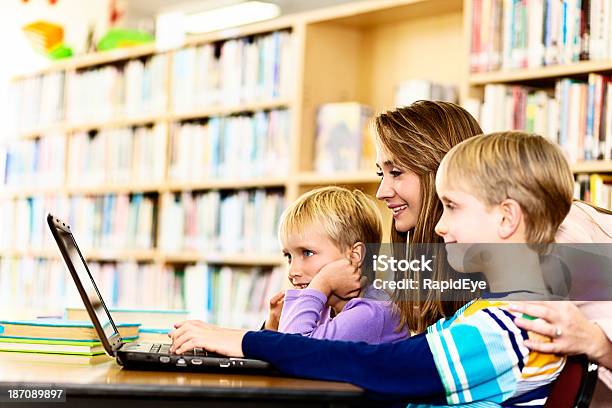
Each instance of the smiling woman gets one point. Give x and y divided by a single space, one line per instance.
411 142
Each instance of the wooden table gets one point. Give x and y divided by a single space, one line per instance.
109 385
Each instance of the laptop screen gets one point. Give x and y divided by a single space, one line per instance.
89 293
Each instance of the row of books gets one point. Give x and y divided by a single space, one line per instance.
594 188
113 222
213 221
232 72
37 101
38 162
508 34
231 296
117 156
577 114
132 90
344 139
234 147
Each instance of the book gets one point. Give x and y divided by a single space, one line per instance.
221 222
112 221
236 147
577 115
117 156
130 89
148 318
343 140
538 32
60 329
231 296
32 345
54 359
232 72
151 335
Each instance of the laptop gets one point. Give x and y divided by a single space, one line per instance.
148 356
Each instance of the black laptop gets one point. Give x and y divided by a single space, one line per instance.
136 355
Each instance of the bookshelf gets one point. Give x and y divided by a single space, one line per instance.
351 52
550 70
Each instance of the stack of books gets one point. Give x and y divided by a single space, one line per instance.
154 325
67 341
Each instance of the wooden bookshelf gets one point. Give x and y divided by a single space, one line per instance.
593 166
230 110
360 177
351 52
578 69
246 259
219 184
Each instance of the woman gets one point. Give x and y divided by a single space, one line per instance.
411 142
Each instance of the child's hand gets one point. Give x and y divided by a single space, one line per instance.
276 307
192 334
340 278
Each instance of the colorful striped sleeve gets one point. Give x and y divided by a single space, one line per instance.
481 357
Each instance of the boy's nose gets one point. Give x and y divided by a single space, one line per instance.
441 229
385 190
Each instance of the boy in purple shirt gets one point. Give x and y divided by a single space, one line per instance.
320 232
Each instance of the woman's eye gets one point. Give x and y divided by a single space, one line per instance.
379 173
449 206
395 173
308 252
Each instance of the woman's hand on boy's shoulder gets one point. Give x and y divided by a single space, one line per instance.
275 309
191 334
340 277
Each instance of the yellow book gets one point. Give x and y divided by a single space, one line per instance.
59 329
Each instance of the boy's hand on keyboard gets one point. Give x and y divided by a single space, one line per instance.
276 307
341 278
192 334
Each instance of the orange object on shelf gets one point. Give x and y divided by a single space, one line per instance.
44 36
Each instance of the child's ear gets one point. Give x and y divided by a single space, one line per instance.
357 253
511 218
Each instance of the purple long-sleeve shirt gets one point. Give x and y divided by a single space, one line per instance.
371 318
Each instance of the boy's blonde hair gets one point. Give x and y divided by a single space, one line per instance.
524 167
346 217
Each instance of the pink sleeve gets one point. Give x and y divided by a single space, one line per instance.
302 314
601 314
584 224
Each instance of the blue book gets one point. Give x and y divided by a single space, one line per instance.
60 329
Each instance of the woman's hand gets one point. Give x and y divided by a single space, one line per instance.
570 332
340 278
275 309
192 334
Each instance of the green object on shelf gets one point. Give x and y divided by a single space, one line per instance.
60 52
121 38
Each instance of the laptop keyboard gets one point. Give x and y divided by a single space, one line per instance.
165 349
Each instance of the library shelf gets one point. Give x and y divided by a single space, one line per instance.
578 69
69 190
247 259
140 255
116 123
220 184
43 130
221 110
360 177
592 166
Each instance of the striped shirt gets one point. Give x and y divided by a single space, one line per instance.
480 356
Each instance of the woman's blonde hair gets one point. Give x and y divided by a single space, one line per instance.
416 138
346 217
515 165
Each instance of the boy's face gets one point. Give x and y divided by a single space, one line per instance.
307 252
466 219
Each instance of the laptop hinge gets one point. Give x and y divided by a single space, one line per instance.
115 342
